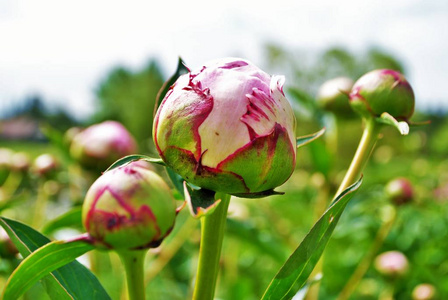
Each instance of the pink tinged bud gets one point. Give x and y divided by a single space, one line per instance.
333 95
228 127
392 263
383 91
99 145
20 162
424 291
399 191
129 207
45 165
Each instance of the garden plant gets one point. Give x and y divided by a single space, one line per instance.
223 132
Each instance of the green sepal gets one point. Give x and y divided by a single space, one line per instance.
302 261
263 194
303 140
201 202
181 70
418 124
134 157
388 119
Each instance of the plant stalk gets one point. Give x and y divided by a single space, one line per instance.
365 147
212 234
133 262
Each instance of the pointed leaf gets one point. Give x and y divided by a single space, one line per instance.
177 180
72 219
301 263
259 194
200 201
40 263
303 140
72 281
417 124
401 126
181 70
130 158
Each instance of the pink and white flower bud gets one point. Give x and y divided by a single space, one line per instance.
20 162
129 207
100 145
383 91
399 191
424 291
392 263
333 95
46 165
228 127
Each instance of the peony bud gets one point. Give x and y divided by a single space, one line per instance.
99 145
399 191
228 127
382 91
424 291
392 263
333 95
20 162
129 207
7 248
46 165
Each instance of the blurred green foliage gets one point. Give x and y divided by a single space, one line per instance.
129 97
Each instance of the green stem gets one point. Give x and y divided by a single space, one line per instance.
212 234
133 262
365 147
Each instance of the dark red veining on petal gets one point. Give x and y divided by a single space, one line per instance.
234 64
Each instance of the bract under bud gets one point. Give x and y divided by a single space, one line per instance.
333 95
399 191
228 127
383 91
392 264
99 145
129 207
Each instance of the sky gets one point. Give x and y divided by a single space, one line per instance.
63 49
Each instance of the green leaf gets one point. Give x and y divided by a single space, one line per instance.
57 139
200 201
256 195
301 263
177 180
72 281
181 70
13 201
303 140
72 219
134 157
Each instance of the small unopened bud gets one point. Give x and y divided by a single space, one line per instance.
333 95
129 207
399 191
424 291
383 91
392 264
46 165
99 145
20 162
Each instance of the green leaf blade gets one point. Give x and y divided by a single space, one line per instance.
300 264
134 157
72 281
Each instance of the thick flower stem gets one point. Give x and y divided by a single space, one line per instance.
133 262
212 234
365 147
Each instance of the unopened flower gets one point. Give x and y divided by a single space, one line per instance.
129 207
228 127
46 165
383 91
20 162
7 248
424 291
333 95
392 263
399 191
99 145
